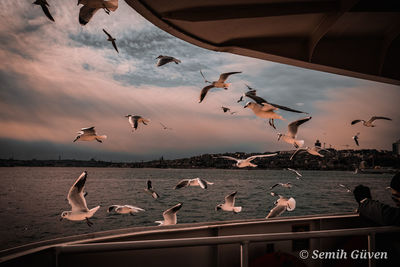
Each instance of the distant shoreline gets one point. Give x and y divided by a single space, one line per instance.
373 161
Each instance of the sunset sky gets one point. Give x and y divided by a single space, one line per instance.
57 78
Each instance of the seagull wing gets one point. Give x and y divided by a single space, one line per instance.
275 185
276 211
260 156
356 140
379 118
293 126
293 170
224 76
75 195
182 183
252 95
86 13
115 46
134 209
287 109
204 92
89 131
47 12
170 214
355 121
131 122
202 183
164 60
109 35
299 150
227 157
230 199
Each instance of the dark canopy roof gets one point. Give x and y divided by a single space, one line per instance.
357 38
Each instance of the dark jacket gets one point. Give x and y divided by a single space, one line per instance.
379 213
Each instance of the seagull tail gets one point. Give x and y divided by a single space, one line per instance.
237 209
102 137
93 211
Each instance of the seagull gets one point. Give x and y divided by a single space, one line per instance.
218 84
135 120
89 134
290 137
162 60
370 121
79 210
241 163
313 151
355 138
298 174
225 109
193 182
348 190
165 127
240 99
43 4
124 209
170 215
229 204
90 7
111 39
287 185
263 109
282 204
151 191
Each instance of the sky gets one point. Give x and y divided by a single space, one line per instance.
57 78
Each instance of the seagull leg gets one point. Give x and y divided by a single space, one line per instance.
89 223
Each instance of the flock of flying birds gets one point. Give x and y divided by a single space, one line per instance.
260 107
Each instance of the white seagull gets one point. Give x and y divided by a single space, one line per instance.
134 120
124 209
298 174
111 39
79 210
44 5
193 182
281 205
170 215
162 60
165 127
355 138
90 7
218 84
150 190
290 136
229 204
264 109
313 151
241 163
89 134
370 121
286 185
348 190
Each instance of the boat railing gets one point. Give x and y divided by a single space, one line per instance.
242 240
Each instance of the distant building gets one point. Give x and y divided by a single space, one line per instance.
317 143
396 147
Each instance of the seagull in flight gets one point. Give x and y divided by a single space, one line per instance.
281 205
241 163
370 121
90 7
111 39
193 182
285 185
124 209
355 138
217 84
44 5
79 210
162 60
263 109
290 136
165 127
348 190
89 134
313 151
134 121
151 191
229 204
225 109
170 215
298 174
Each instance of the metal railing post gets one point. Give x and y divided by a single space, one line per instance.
244 254
371 248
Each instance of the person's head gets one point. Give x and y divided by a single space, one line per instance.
395 188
